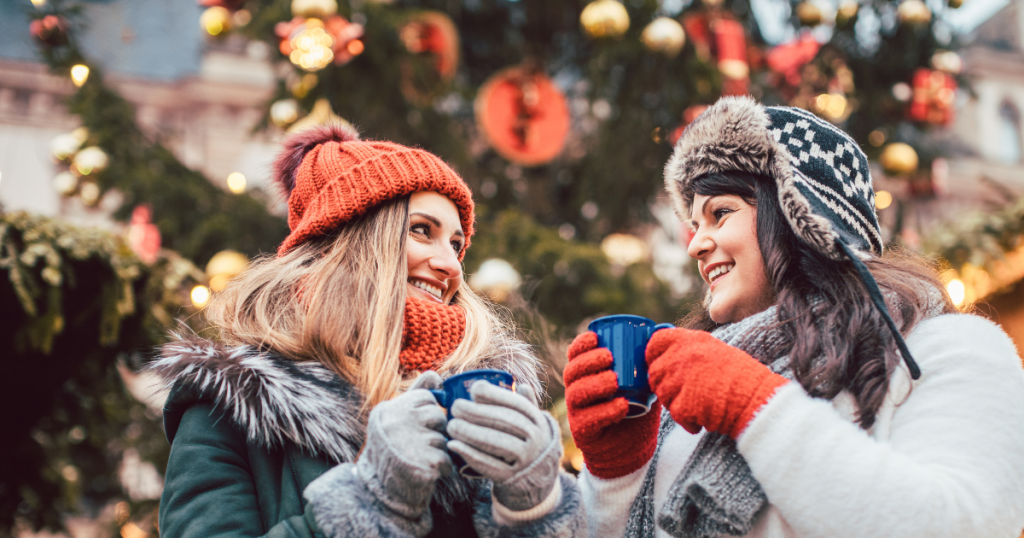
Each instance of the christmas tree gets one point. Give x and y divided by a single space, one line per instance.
559 114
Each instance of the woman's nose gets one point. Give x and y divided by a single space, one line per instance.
700 245
446 261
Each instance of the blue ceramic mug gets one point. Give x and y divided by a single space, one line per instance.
456 387
626 337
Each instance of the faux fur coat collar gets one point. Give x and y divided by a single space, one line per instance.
277 401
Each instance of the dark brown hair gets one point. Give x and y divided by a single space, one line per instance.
823 307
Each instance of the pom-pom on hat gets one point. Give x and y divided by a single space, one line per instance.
331 177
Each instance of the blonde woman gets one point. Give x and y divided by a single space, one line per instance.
309 416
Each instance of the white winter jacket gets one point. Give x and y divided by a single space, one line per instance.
945 457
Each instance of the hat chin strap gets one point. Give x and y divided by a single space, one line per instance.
876 297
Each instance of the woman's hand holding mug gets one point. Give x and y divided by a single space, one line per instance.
612 445
505 437
405 450
705 382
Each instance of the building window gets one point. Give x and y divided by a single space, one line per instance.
1008 140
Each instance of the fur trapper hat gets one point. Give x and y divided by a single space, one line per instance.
331 178
822 176
823 179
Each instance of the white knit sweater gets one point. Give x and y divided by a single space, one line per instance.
944 460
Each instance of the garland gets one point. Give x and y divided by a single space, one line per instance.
77 303
983 250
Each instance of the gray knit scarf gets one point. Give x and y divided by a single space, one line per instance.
716 493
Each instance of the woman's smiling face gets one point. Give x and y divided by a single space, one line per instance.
728 256
433 247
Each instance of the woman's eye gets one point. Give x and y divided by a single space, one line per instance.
719 213
420 229
457 245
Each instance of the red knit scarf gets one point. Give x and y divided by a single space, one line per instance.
430 333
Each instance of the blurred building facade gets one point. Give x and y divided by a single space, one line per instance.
200 99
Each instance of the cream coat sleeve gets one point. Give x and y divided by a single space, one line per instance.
608 501
953 462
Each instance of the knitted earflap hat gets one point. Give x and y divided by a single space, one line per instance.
823 179
331 178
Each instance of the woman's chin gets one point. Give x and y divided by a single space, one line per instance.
720 311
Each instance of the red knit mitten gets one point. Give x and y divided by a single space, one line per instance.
705 382
612 445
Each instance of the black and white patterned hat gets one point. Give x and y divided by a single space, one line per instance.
823 179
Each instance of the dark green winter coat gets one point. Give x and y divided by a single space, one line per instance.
249 431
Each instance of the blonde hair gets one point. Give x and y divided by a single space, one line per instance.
340 300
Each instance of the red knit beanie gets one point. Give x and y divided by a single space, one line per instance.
331 178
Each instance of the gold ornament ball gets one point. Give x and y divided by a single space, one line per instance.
90 193
665 36
64 146
624 249
496 278
215 20
898 159
914 12
284 112
320 9
809 14
954 3
89 160
65 183
947 61
847 11
605 19
224 265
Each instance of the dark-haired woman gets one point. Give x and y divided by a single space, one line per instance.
838 394
309 417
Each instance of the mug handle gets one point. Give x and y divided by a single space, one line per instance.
661 326
440 396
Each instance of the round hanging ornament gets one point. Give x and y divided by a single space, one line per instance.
313 44
947 61
320 9
284 112
914 13
433 41
51 30
808 13
523 115
90 160
605 19
90 193
664 36
65 183
898 159
216 20
932 97
847 12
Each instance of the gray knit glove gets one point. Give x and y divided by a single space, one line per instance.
405 449
506 438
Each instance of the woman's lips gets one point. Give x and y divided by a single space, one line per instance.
719 279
